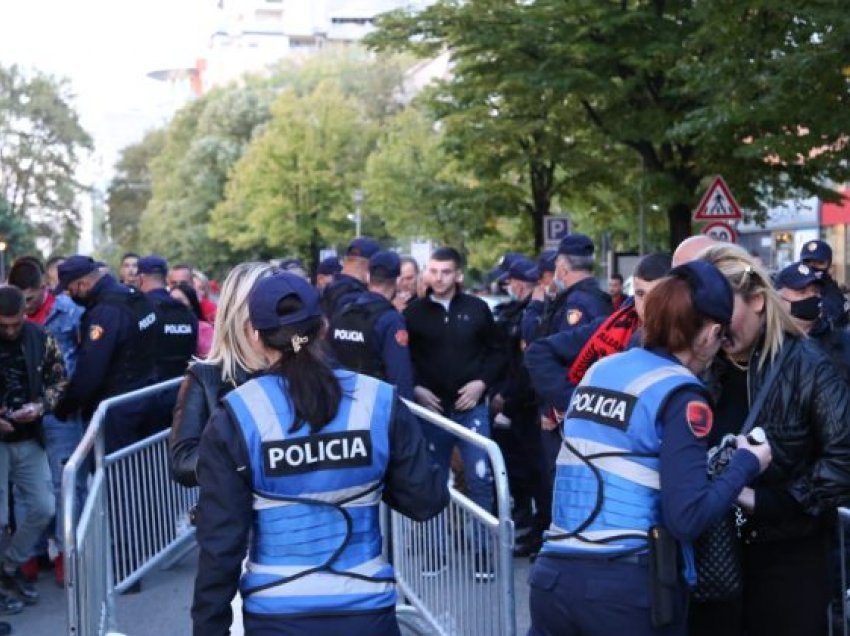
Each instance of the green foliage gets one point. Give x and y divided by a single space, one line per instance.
41 141
16 233
290 194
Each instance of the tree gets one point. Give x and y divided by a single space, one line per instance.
130 189
291 192
689 88
41 141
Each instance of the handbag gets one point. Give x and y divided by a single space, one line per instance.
717 551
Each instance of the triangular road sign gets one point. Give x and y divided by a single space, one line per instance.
718 203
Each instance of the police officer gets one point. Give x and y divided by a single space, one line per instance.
800 289
116 353
295 464
632 476
818 256
369 335
579 299
177 326
351 281
327 271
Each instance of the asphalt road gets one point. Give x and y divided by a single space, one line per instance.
162 607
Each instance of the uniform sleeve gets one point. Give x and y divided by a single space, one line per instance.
414 485
224 519
396 354
531 320
105 330
690 502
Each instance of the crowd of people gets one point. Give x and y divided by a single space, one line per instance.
606 406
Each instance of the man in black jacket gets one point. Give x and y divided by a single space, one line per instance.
457 355
32 376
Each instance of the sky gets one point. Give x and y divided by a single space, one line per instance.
106 48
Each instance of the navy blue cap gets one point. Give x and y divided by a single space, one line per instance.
329 266
796 276
288 264
816 251
711 293
269 291
153 265
546 261
524 269
500 272
387 261
363 246
74 268
576 245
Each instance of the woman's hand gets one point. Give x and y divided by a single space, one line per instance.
761 451
747 499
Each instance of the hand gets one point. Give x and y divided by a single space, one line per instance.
539 293
6 426
427 399
761 451
747 499
400 301
27 413
469 395
497 404
547 423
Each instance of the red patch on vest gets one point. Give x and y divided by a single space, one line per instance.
401 337
700 419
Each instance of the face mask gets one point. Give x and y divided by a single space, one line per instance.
559 284
808 309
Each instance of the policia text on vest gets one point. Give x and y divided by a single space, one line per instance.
350 449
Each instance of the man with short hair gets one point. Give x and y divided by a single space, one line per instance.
407 282
116 352
60 316
32 377
818 256
351 281
615 290
177 326
457 354
180 273
128 272
369 335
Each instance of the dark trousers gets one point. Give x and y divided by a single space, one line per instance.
786 592
573 597
381 623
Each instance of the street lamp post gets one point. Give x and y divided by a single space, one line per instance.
3 260
357 196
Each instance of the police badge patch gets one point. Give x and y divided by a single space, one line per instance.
700 418
95 332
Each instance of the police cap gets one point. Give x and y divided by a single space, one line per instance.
363 246
524 269
816 251
576 245
153 264
711 293
74 268
329 266
385 263
796 276
546 262
269 291
500 272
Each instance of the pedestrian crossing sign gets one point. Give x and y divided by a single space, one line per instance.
718 203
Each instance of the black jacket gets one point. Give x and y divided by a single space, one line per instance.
199 394
806 416
450 349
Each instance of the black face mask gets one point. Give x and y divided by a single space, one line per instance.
808 309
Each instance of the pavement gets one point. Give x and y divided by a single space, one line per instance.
162 607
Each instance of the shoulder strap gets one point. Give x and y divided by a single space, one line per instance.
772 374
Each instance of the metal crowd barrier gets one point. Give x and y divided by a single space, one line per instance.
843 596
135 519
435 561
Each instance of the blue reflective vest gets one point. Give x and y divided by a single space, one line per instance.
316 542
606 494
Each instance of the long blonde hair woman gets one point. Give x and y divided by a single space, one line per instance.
231 359
789 511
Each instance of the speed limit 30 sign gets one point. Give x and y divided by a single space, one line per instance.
721 232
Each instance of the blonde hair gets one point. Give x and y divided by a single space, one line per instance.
230 346
749 279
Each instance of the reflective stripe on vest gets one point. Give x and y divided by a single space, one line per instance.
606 495
316 542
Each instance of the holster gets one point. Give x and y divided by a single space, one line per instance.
664 583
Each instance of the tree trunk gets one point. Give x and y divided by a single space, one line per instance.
679 223
542 181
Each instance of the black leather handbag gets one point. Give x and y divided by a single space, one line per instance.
717 551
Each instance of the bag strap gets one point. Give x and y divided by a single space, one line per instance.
750 422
